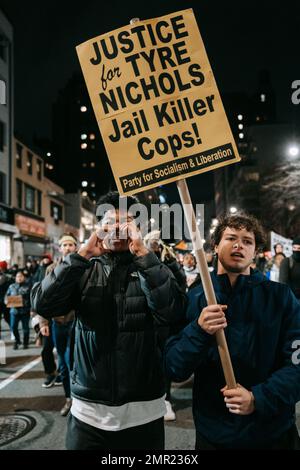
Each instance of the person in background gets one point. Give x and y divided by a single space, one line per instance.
273 272
190 268
278 248
62 327
290 269
48 359
5 281
22 313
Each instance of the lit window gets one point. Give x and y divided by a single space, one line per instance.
83 146
83 136
83 109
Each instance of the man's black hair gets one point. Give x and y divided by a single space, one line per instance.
113 198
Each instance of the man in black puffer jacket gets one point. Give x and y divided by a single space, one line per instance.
121 292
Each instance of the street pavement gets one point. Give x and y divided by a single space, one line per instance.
24 395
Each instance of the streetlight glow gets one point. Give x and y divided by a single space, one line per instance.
293 150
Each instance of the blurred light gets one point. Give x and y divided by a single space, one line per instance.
291 207
240 126
84 193
233 210
83 109
152 221
203 240
293 150
92 164
83 136
214 222
93 185
48 154
92 137
241 135
162 199
262 97
83 146
84 184
211 230
240 117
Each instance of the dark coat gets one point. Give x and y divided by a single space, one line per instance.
118 300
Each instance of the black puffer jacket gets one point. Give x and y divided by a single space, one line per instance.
119 300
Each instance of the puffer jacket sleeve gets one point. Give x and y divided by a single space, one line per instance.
178 272
57 293
165 298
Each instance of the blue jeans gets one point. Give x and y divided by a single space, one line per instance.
14 324
61 337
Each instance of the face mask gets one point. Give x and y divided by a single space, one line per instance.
296 256
188 268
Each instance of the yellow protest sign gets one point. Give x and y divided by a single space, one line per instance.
156 102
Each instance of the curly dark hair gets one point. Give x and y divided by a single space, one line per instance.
113 199
240 221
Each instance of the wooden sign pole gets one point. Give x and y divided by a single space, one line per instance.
205 277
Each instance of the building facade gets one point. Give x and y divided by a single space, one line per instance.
7 229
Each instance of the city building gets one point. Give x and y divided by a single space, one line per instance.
7 229
38 206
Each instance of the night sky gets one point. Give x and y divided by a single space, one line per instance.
241 38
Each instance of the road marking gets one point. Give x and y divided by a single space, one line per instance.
20 372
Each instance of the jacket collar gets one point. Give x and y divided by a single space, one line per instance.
221 281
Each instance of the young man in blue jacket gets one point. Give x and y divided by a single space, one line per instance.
262 321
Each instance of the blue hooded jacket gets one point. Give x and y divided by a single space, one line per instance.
263 337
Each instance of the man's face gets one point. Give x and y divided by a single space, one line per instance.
235 251
20 278
66 248
296 247
114 239
189 261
